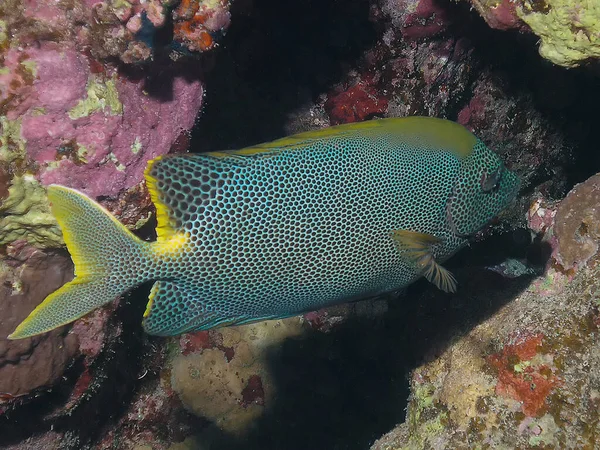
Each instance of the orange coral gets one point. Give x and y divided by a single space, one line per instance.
196 22
521 378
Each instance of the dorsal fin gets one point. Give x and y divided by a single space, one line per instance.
425 132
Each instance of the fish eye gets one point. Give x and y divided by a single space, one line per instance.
490 180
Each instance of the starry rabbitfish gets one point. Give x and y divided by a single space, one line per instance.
277 229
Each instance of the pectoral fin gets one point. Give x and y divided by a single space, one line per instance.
416 248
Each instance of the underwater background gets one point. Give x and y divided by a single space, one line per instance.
91 90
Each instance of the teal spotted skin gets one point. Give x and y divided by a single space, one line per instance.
286 227
277 233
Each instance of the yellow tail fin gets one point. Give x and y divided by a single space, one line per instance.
108 258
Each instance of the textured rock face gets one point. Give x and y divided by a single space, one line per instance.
569 30
89 92
525 377
520 379
27 277
578 224
69 117
225 375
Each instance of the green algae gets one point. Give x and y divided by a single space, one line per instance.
3 33
118 165
136 146
569 29
25 215
31 66
101 96
548 430
12 145
427 417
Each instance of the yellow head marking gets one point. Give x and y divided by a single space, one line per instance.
430 132
433 133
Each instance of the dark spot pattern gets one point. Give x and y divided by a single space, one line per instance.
277 233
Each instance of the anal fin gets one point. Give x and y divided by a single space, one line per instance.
416 247
175 308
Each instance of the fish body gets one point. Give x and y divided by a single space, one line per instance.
286 227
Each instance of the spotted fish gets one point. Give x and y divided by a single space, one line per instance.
285 227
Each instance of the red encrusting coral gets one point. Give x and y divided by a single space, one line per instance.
522 379
428 19
201 340
193 342
195 23
355 104
253 393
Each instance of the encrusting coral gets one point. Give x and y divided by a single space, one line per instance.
569 30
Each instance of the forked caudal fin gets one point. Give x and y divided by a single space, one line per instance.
108 258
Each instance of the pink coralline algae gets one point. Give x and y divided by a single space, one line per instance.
500 14
355 104
417 19
115 141
106 125
71 118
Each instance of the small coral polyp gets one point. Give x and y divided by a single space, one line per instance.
197 24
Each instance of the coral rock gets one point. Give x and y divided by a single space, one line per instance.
28 364
519 379
229 384
67 118
569 29
577 225
500 14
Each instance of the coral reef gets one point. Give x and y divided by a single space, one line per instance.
513 124
28 275
197 23
71 117
225 378
568 30
442 75
521 378
89 92
577 224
